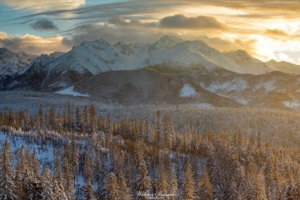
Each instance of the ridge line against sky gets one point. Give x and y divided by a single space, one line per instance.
265 29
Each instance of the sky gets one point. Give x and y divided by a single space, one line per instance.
267 29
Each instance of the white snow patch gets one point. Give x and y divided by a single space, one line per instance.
187 91
233 85
242 101
291 104
203 105
269 86
59 84
69 91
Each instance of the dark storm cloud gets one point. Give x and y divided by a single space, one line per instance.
183 22
44 25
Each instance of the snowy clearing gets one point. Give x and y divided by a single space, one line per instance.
69 91
187 91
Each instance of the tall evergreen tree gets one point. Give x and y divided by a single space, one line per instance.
173 189
143 182
124 190
112 192
68 186
7 185
88 177
205 189
21 167
47 185
189 185
74 157
58 186
161 183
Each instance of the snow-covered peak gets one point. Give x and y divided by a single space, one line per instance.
55 54
248 63
240 56
11 62
38 65
123 48
4 50
164 43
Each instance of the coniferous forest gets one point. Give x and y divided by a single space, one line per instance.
149 152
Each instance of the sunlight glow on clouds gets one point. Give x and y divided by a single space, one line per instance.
284 57
44 5
266 31
32 44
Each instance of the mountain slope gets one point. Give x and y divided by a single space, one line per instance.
11 62
193 54
275 90
148 85
31 76
284 66
249 64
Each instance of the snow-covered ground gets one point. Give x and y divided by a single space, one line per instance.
233 85
187 91
269 86
69 91
291 104
203 105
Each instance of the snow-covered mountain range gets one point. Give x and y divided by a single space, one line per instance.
11 62
58 71
91 58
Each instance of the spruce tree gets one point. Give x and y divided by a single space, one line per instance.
21 167
58 186
93 119
74 157
112 192
124 190
143 182
205 189
189 185
88 177
7 185
161 184
173 189
47 185
233 193
68 178
89 190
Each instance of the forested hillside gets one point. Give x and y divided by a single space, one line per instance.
144 152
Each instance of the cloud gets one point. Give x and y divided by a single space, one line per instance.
184 22
44 5
112 34
32 44
230 45
44 25
299 59
275 32
284 57
117 20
